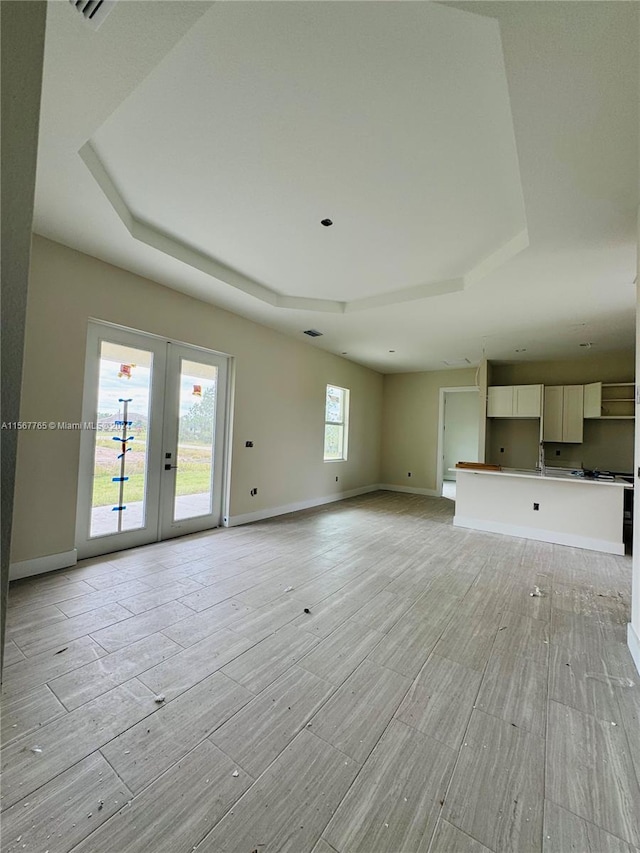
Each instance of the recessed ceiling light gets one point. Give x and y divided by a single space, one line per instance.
391 350
313 333
344 353
524 349
326 222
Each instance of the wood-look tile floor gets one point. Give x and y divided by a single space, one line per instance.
427 703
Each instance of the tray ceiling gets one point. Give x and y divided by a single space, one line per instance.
479 162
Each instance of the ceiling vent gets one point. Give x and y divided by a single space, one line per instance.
313 333
93 11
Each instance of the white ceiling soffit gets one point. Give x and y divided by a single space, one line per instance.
391 119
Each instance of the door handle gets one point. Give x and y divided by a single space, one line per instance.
169 467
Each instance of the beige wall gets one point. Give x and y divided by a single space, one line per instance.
410 425
514 442
606 444
607 367
279 395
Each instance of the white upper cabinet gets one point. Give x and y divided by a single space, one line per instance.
563 413
514 401
527 402
573 414
593 400
500 401
553 404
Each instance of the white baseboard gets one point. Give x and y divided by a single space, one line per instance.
571 539
633 641
271 512
41 565
409 490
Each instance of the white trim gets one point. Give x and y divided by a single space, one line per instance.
633 641
440 446
409 490
271 512
41 565
571 539
228 439
344 423
176 353
97 332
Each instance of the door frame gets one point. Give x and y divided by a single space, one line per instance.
97 330
168 528
440 450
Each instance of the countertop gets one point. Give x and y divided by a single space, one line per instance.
550 474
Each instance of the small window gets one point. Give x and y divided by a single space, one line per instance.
336 423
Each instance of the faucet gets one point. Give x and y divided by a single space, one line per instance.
541 462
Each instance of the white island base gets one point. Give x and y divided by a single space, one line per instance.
571 510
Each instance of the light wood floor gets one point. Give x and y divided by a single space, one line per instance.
428 702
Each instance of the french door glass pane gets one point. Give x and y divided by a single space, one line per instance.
120 457
196 430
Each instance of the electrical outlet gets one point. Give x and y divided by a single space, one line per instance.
248 444
557 453
502 450
408 473
536 507
336 479
254 492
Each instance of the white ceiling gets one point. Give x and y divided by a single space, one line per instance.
480 165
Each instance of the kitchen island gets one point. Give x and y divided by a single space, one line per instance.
554 506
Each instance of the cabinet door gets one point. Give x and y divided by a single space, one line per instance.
573 413
500 401
552 421
527 401
593 400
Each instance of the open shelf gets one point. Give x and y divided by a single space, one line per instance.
616 400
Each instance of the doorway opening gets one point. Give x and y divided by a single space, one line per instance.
458 435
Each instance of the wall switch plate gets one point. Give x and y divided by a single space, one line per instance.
536 507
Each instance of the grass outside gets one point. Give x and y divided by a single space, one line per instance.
192 477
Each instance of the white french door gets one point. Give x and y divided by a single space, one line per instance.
194 428
152 466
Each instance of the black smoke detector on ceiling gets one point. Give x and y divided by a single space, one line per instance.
326 222
313 333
